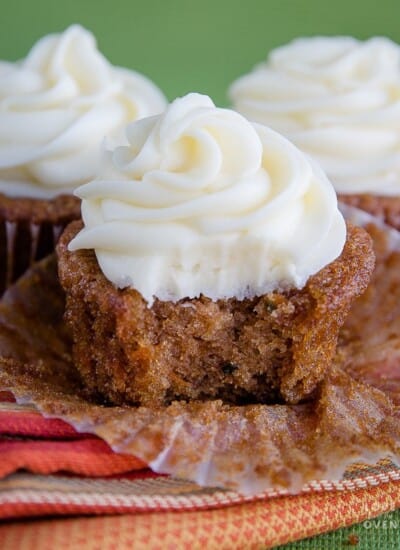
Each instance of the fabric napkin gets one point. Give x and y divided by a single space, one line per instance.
48 469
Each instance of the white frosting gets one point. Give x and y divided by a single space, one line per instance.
57 106
338 99
204 202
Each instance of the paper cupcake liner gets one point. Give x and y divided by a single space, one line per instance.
354 416
21 244
364 219
29 231
383 207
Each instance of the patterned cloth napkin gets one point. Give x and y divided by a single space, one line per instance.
48 469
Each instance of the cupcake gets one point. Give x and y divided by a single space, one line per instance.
337 99
56 107
212 263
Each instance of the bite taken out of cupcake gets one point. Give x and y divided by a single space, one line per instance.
337 99
212 263
57 106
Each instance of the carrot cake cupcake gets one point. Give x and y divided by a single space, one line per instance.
337 99
212 263
56 107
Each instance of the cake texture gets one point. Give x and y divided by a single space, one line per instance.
267 349
57 106
338 99
212 263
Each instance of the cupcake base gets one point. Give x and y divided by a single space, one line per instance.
271 349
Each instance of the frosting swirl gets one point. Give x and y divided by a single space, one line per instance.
338 99
204 202
56 107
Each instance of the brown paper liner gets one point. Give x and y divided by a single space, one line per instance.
354 416
29 231
21 244
384 208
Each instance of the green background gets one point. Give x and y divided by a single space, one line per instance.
193 45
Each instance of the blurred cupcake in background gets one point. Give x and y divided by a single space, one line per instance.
337 99
57 106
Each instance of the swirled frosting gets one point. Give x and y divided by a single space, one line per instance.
56 107
338 99
201 201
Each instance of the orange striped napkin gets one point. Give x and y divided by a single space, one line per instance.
48 469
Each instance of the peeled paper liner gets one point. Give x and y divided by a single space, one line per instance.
254 450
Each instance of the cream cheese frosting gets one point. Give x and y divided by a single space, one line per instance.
337 99
201 201
57 106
